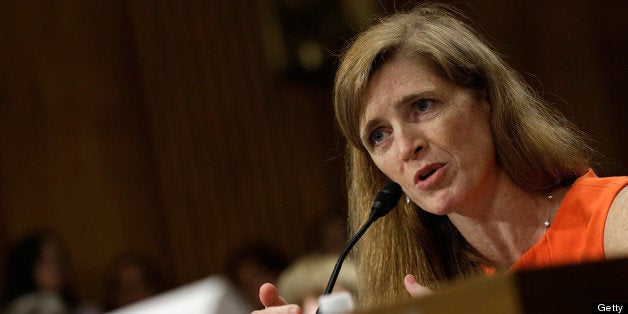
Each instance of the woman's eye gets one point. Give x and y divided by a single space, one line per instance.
377 137
423 105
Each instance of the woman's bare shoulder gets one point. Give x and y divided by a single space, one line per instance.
616 228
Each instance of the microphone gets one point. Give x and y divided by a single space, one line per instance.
384 202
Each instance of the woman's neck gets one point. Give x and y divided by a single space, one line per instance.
507 222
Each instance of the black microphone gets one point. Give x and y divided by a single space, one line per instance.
386 199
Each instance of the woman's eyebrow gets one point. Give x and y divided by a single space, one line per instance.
409 98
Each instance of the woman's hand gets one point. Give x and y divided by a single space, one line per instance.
414 288
273 303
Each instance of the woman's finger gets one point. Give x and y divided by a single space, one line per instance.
414 288
273 303
269 296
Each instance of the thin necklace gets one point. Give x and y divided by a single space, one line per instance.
549 209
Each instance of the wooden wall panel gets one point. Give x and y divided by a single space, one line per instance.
232 153
75 152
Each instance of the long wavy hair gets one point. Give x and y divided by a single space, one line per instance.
536 145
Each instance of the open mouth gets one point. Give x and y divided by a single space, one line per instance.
427 174
429 171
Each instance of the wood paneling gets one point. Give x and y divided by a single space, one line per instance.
238 163
75 147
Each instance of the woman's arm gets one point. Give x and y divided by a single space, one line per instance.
616 228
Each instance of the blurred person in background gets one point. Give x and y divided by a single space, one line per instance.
250 267
327 233
305 280
131 277
37 276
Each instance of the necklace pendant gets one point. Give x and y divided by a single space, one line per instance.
549 209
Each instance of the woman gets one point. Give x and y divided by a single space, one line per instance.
494 178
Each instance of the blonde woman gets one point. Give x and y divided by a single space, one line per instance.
494 178
305 280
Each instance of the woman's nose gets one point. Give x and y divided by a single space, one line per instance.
409 144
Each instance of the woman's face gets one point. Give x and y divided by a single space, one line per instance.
429 135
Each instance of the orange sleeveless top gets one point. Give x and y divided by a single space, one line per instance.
577 233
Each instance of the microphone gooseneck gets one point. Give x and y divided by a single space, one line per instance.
384 202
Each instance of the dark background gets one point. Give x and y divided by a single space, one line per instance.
188 129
